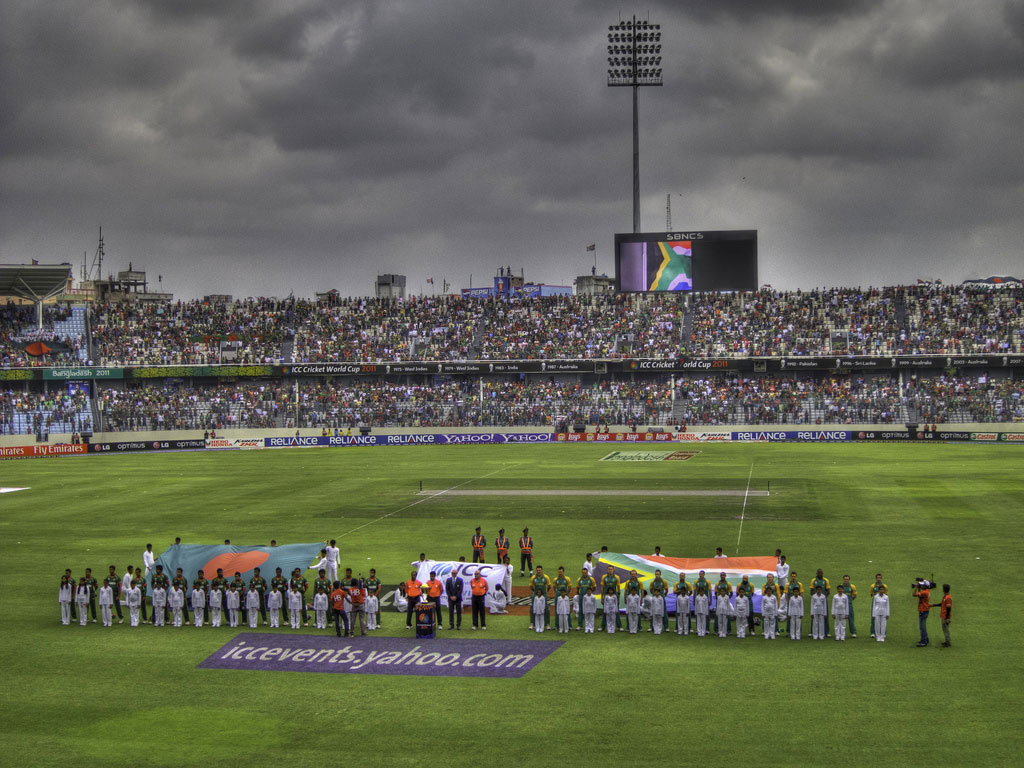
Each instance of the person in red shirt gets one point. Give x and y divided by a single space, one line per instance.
338 608
413 590
945 607
923 594
357 598
478 587
434 589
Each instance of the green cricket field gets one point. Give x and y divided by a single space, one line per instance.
123 696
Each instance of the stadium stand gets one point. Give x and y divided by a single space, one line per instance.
844 322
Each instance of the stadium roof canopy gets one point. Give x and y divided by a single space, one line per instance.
35 282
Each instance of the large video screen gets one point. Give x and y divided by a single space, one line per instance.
659 262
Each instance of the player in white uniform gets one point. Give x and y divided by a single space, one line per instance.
333 558
198 606
320 609
795 612
159 606
769 609
176 602
106 601
149 559
252 607
134 598
633 608
539 606
232 601
742 608
611 610
657 613
819 607
722 607
562 606
589 607
274 600
64 599
840 611
216 603
294 607
700 610
880 614
782 572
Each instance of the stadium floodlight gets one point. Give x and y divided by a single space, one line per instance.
634 60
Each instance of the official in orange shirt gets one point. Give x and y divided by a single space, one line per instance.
338 608
479 544
413 590
922 591
434 589
525 552
478 588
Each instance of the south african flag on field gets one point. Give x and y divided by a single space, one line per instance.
620 563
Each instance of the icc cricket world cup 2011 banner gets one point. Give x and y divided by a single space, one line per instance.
209 557
492 573
755 568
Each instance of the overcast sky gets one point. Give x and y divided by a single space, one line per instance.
261 147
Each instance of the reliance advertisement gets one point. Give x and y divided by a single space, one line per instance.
424 439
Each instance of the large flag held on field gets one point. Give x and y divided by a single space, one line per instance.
209 557
756 569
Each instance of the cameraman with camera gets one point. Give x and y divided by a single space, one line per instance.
922 591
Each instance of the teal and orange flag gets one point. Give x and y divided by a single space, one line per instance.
209 557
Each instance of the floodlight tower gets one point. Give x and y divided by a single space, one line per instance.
634 60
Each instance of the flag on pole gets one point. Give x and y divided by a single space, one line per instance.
592 247
430 281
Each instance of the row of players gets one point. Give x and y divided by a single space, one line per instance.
172 599
704 599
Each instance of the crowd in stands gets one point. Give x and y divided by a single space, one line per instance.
697 401
19 327
192 333
35 412
835 321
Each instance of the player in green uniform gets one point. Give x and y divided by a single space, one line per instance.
682 591
160 580
201 582
113 581
610 585
658 589
826 588
747 589
851 593
94 586
583 583
258 583
280 583
181 583
794 587
298 581
540 584
220 583
373 587
634 583
140 581
877 588
723 591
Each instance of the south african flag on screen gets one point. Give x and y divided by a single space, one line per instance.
675 273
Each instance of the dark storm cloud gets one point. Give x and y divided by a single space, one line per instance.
260 147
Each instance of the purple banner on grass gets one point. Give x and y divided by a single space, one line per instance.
440 657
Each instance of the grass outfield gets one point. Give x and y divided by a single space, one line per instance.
134 697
